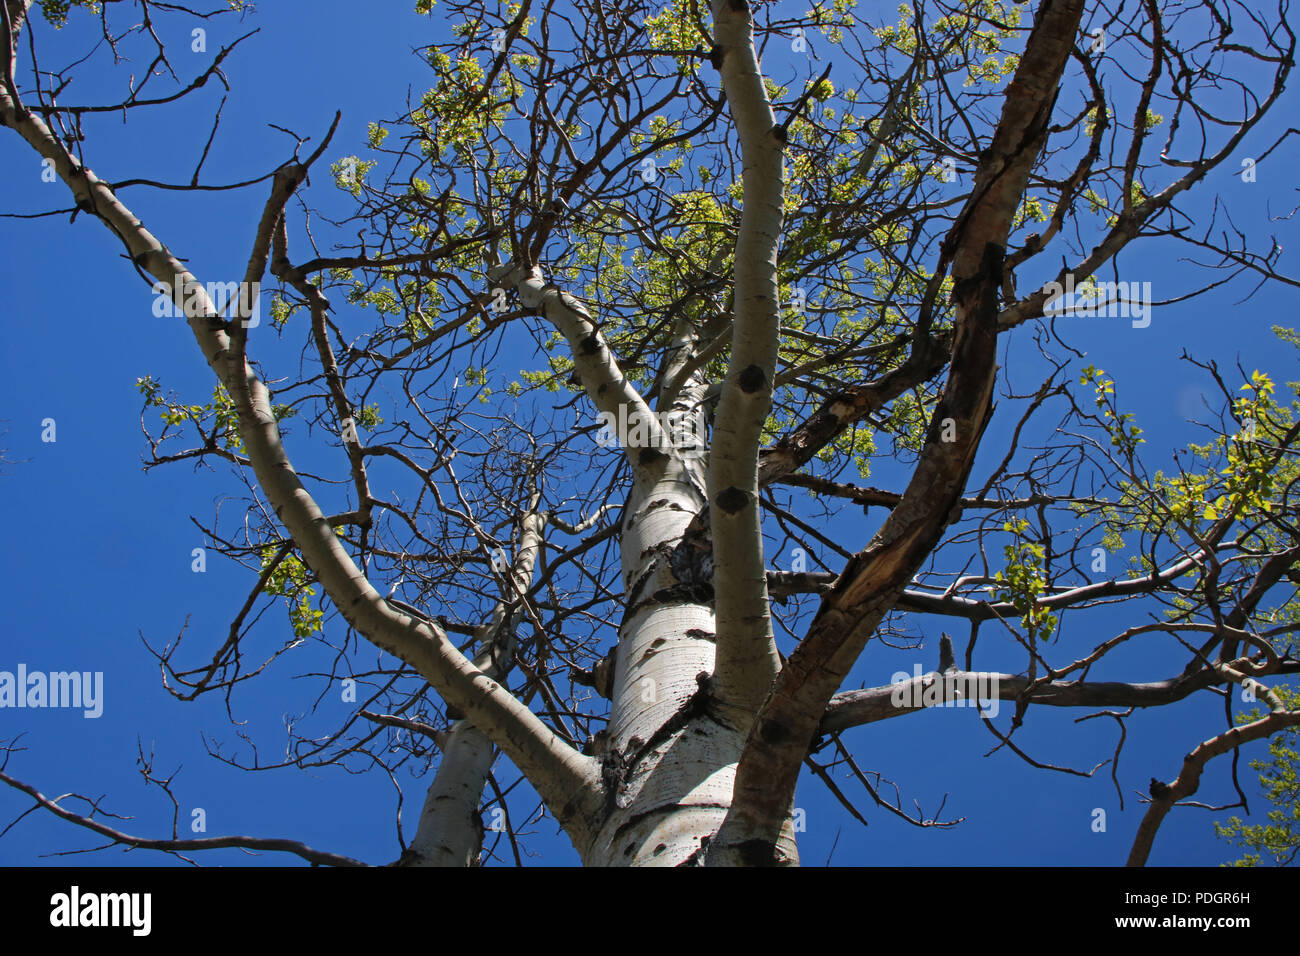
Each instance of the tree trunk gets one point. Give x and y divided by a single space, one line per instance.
451 831
671 759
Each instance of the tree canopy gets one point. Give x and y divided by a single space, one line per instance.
664 393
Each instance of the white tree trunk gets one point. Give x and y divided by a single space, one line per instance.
669 792
450 832
670 763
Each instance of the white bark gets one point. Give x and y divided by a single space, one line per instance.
747 655
674 733
607 387
669 766
450 832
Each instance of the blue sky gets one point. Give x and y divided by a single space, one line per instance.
99 553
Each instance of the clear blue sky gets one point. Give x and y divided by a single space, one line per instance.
97 552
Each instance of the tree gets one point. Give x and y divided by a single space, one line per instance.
739 291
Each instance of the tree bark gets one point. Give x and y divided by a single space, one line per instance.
450 832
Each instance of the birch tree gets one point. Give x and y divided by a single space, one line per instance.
630 303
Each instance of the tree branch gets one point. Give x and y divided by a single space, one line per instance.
747 658
566 779
872 581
